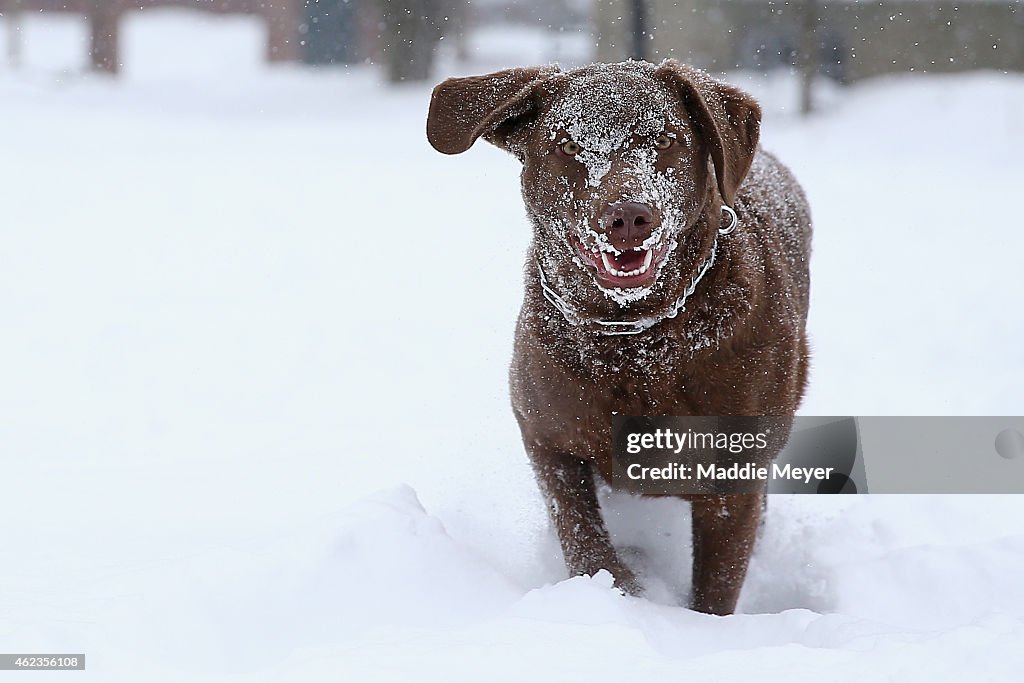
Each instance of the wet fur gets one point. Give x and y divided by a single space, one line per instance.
739 347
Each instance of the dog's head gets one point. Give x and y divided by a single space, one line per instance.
617 162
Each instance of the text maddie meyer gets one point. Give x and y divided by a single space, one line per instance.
734 472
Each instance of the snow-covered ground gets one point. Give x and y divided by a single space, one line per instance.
253 411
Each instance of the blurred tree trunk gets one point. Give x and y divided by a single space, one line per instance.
560 15
283 19
13 23
457 27
104 39
638 16
810 50
411 33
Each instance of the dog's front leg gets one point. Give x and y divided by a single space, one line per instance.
567 484
724 530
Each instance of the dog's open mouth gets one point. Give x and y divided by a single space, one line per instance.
627 263
631 268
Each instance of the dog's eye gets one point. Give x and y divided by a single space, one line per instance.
663 142
571 148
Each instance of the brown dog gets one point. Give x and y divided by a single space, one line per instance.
643 295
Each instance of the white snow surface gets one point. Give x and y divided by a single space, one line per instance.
255 423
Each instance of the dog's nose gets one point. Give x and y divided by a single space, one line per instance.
628 222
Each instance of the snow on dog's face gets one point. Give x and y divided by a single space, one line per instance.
615 165
616 178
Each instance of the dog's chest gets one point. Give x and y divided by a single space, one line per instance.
584 383
609 375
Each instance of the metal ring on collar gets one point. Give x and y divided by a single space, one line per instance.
734 220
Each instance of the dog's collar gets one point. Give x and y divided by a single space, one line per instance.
614 328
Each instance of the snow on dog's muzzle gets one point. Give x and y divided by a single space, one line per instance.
628 248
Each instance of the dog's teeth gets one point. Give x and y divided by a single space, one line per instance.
607 263
648 259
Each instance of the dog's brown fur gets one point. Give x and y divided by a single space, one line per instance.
738 347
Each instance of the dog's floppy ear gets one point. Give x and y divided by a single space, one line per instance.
464 109
728 118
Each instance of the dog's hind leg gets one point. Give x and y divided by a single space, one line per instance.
567 484
724 529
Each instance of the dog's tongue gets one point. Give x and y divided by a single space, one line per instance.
628 260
